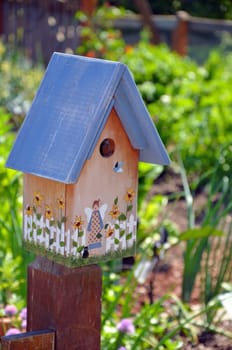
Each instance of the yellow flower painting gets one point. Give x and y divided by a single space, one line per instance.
129 196
78 223
38 198
28 210
114 213
48 212
60 202
109 232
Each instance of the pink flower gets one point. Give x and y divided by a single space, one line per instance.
24 324
10 310
12 331
122 348
126 326
23 313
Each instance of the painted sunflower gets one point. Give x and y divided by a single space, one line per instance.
109 232
129 196
48 212
60 202
28 210
38 198
114 213
78 223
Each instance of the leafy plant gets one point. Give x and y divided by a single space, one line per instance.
18 82
144 326
200 250
182 97
10 218
98 38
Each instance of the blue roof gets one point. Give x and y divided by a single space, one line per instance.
68 115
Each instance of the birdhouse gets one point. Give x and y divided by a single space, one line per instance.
79 148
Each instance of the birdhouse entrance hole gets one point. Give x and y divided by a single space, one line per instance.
107 148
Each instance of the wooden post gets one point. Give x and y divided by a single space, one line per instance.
88 7
146 13
40 340
66 300
180 34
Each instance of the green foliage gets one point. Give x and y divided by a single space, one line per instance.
18 83
17 87
13 260
219 249
211 9
151 323
190 105
98 39
200 252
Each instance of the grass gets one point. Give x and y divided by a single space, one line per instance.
72 261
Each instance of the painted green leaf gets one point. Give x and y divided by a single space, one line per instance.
39 231
52 222
116 241
116 201
129 207
121 234
79 249
80 233
129 236
47 230
74 244
117 226
64 219
106 226
34 209
31 233
38 216
99 235
51 241
62 243
33 225
28 225
59 224
122 217
200 233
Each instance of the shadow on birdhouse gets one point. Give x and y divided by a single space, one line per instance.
79 149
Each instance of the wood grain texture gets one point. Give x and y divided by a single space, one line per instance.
39 340
99 181
66 300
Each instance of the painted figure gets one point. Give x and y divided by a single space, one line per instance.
95 217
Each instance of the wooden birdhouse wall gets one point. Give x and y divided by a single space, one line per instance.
94 217
115 188
44 213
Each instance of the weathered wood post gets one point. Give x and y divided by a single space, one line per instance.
66 300
147 17
180 33
79 148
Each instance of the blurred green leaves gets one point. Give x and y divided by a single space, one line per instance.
191 105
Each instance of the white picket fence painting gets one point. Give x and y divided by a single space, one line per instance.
40 231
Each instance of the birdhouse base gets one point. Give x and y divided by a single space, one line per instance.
72 261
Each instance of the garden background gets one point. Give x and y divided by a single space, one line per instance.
176 293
